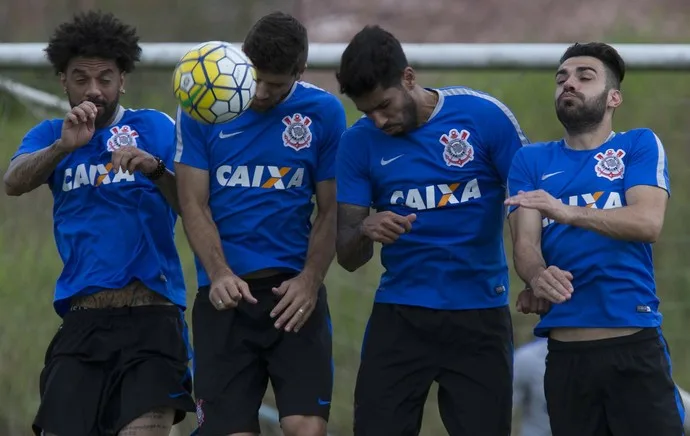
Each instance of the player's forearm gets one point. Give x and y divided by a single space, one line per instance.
529 261
321 245
166 184
28 172
204 239
629 223
353 248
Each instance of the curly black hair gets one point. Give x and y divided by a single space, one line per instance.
277 44
374 57
609 56
94 35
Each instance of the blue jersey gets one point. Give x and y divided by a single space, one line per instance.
263 170
613 280
112 228
452 173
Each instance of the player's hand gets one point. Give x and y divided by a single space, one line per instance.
553 284
227 290
78 126
386 227
130 159
528 303
542 201
298 299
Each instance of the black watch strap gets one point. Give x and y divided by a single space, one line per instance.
158 172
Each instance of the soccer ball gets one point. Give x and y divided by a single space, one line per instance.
214 82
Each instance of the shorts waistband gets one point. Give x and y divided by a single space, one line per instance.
645 334
167 310
261 283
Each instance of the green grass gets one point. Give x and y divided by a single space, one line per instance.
29 263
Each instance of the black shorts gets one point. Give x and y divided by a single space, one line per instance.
106 367
468 352
613 387
237 351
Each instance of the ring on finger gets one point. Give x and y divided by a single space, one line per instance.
300 311
220 303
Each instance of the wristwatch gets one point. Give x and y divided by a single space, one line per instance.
158 172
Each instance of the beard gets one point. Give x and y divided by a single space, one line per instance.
581 116
409 114
105 111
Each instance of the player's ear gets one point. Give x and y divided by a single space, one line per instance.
63 81
122 82
615 98
409 78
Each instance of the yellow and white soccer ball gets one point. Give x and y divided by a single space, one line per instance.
214 82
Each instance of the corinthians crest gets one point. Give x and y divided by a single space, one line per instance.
297 134
610 164
457 151
122 137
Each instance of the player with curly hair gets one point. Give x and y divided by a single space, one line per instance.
118 363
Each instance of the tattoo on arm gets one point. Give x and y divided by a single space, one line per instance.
353 248
29 171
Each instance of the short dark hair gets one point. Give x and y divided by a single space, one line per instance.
94 35
613 62
277 44
374 57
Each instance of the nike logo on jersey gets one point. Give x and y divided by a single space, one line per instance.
222 135
385 162
546 176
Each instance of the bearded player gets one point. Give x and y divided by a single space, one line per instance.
585 211
118 363
246 189
434 164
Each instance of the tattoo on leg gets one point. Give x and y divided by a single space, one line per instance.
157 422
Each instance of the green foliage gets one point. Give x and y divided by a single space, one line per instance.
29 264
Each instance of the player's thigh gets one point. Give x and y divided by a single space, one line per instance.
230 376
574 395
301 366
396 372
72 378
70 392
642 387
475 379
152 372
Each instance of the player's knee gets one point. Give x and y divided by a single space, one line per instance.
157 422
303 426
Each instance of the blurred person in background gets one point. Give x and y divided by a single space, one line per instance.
529 402
434 164
118 362
585 211
246 189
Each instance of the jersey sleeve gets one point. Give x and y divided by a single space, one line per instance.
520 177
190 142
504 136
334 126
647 163
352 170
39 137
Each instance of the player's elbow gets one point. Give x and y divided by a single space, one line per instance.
651 231
11 188
348 263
